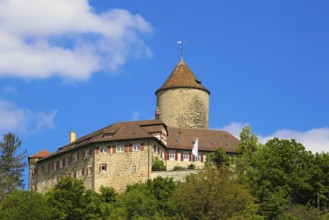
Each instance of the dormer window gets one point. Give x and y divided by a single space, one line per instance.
107 135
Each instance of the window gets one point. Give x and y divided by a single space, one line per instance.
86 153
74 157
79 173
103 149
133 169
120 148
171 155
186 157
103 167
136 147
197 158
66 162
90 171
61 163
54 165
107 135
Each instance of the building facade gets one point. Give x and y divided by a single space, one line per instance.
123 153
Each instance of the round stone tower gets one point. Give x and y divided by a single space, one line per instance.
182 100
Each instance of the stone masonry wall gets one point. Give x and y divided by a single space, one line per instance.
184 107
47 172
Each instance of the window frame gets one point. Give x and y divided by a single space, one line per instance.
103 149
186 157
120 149
136 147
171 155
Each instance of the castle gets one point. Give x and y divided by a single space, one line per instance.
123 153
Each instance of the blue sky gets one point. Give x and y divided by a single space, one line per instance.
77 65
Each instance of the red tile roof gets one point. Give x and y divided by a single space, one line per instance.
178 138
182 77
41 154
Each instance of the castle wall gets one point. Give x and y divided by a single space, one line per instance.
184 107
76 163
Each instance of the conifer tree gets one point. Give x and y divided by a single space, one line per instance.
11 165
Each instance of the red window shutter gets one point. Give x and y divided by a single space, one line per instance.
176 155
114 149
167 156
131 148
86 172
189 157
96 150
126 148
181 156
108 149
142 146
201 157
193 158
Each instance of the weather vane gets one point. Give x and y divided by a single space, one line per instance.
181 48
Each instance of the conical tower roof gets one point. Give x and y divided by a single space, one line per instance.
182 77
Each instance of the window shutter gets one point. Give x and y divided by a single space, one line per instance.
57 164
142 146
108 149
181 156
131 148
189 157
201 157
167 155
176 156
83 171
78 156
193 158
89 151
48 167
114 149
96 150
52 166
83 154
126 148
86 171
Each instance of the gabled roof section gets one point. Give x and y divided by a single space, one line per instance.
209 140
41 154
117 132
182 77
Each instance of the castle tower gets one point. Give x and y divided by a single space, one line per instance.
182 100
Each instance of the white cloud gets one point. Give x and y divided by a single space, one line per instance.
14 119
66 38
234 128
315 140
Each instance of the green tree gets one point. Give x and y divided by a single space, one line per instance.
217 158
280 173
11 165
66 199
158 165
70 200
214 194
21 204
247 147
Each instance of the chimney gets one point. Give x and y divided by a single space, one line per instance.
73 136
157 113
